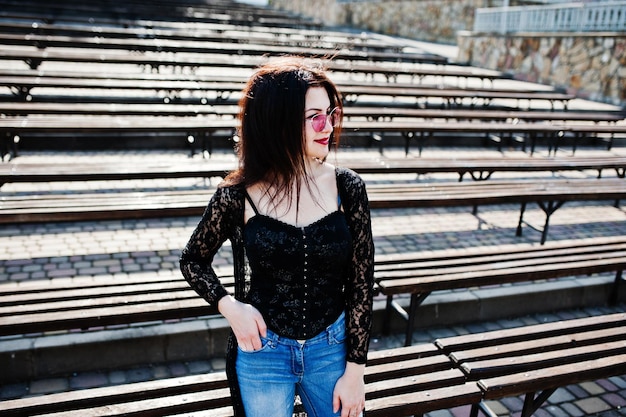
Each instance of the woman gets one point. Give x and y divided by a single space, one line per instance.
301 228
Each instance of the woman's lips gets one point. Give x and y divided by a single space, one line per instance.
322 141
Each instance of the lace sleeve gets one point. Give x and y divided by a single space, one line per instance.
360 283
215 227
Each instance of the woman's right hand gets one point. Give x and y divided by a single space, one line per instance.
245 320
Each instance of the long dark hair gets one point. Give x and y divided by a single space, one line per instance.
271 146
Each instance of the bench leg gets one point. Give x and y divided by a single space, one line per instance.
548 209
407 141
533 143
613 298
409 316
416 300
518 232
532 403
421 140
387 323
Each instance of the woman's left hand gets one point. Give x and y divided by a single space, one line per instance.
349 394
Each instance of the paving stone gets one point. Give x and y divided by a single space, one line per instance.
498 408
139 374
577 391
593 388
199 367
555 411
513 404
542 412
161 372
117 377
11 391
178 369
463 411
614 399
561 395
572 410
592 405
607 384
48 386
618 381
88 380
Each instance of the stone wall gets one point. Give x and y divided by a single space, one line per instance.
427 20
591 66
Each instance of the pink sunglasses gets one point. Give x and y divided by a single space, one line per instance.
318 121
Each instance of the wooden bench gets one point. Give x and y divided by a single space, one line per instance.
85 303
402 382
210 47
478 168
550 195
534 361
12 128
191 129
150 14
92 302
23 84
419 274
17 171
211 32
452 95
217 12
421 131
156 60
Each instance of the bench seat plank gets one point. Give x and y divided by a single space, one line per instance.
401 354
120 393
180 403
403 368
415 382
603 263
539 345
105 316
529 361
421 402
552 377
536 331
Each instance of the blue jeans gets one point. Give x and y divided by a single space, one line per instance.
269 378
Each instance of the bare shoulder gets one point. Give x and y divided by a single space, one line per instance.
327 173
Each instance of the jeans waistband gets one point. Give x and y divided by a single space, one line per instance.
331 332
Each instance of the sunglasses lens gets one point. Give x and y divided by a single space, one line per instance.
318 122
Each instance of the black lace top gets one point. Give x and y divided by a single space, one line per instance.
223 220
297 273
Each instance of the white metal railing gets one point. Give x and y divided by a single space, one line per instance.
570 17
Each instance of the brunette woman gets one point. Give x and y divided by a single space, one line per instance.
303 252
